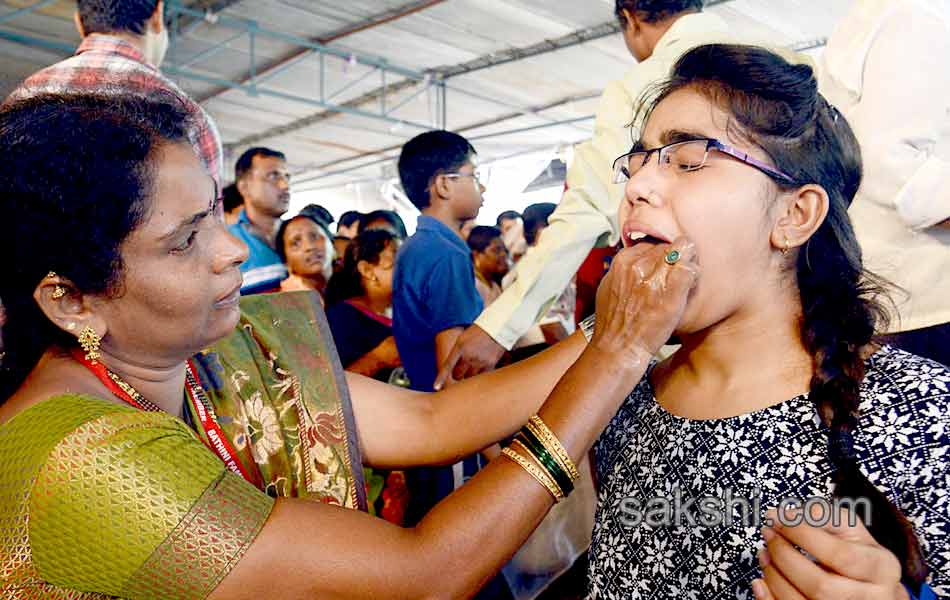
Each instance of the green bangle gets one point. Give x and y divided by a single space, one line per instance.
546 460
536 441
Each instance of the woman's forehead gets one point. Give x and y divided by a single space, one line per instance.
181 189
302 225
684 111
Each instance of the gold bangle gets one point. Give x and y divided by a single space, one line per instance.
525 451
535 472
553 445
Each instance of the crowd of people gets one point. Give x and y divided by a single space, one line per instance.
738 323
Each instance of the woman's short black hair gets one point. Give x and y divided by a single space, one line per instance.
653 11
390 216
77 180
115 16
318 212
427 155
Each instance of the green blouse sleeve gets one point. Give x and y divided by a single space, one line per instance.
131 504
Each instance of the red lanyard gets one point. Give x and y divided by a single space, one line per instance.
217 441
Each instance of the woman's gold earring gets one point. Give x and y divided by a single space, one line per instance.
89 340
785 249
59 291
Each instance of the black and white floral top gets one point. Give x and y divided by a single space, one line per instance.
650 541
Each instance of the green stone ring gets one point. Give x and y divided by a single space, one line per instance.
672 257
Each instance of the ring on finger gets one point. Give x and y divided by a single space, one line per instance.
672 257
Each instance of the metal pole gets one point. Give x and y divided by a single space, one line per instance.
253 70
25 10
365 59
323 77
377 161
444 111
531 128
410 98
209 52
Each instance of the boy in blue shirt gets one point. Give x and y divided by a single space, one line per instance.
434 293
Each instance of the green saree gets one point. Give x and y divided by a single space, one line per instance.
99 500
278 390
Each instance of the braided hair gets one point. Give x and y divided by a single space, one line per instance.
776 106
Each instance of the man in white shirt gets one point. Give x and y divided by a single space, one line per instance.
657 33
885 69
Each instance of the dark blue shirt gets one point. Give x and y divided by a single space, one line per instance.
263 270
433 290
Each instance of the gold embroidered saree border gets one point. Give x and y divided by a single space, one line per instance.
206 544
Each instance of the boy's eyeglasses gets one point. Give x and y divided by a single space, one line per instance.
476 176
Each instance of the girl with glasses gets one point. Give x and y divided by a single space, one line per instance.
778 390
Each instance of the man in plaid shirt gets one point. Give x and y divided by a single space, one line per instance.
124 42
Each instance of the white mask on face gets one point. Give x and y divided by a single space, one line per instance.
156 45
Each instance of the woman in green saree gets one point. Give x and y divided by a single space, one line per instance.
105 489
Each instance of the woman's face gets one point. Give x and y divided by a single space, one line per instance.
181 282
723 207
382 271
309 252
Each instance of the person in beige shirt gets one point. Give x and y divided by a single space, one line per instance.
885 70
657 33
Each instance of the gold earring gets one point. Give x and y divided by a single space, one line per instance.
59 291
785 249
89 340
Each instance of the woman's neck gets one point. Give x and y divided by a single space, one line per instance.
377 304
742 364
160 383
309 282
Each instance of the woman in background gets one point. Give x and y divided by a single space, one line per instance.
305 246
359 305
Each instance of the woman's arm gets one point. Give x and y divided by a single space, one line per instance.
383 356
312 550
402 428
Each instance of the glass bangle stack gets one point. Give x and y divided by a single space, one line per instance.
538 451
